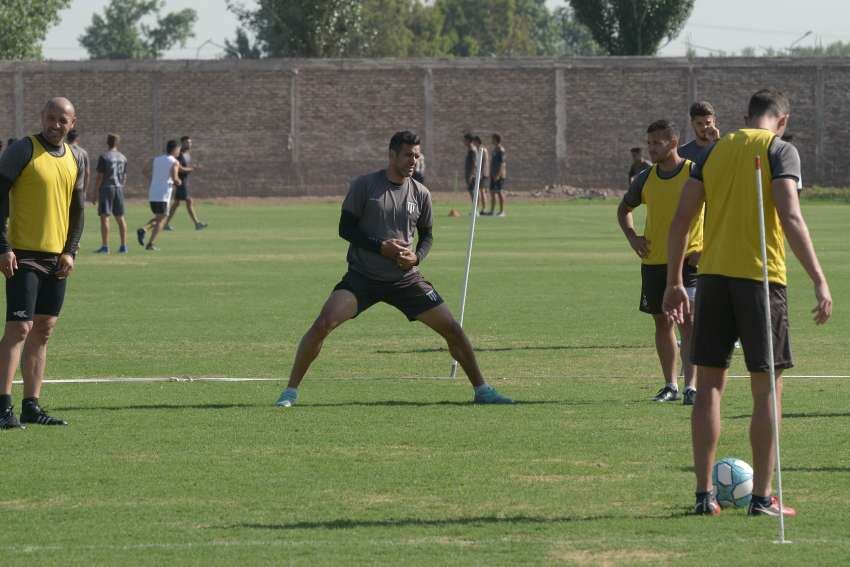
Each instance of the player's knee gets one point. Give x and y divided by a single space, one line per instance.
323 325
17 331
42 330
453 331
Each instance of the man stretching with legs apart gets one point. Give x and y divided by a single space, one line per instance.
381 215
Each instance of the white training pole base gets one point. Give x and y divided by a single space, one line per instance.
453 371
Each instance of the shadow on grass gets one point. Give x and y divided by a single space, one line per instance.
510 348
157 407
347 523
796 469
300 406
800 415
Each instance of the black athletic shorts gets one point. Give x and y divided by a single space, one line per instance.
733 308
496 185
181 192
110 201
654 281
32 292
159 207
411 295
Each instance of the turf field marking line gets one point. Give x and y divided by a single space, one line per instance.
154 379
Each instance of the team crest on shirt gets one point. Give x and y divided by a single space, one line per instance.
411 207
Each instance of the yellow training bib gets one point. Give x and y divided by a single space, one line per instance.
661 197
732 243
40 200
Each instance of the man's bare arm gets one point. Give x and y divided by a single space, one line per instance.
788 207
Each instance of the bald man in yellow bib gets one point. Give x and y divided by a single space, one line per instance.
42 191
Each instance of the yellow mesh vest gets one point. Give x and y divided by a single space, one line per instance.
661 197
732 244
40 199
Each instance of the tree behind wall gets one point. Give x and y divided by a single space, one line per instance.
24 25
632 27
121 34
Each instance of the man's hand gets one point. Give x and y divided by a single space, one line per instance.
823 310
675 305
640 245
8 264
693 259
712 133
407 259
65 267
392 248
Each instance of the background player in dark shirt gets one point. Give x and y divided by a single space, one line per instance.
381 215
704 124
181 192
498 175
638 163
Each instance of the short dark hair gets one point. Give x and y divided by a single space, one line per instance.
468 137
636 150
663 126
477 139
72 135
701 108
10 141
184 138
112 140
768 101
170 146
787 137
497 137
405 137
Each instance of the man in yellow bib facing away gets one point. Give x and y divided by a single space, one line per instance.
730 300
659 188
43 194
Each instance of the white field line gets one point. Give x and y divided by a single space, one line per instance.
463 542
108 380
155 379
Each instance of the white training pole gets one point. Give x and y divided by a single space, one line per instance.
769 328
474 217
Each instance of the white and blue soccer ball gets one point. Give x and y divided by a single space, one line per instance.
733 482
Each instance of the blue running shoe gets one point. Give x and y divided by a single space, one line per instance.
102 250
287 398
122 249
140 235
487 394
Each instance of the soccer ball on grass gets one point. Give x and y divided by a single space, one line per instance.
733 482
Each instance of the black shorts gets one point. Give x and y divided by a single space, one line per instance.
110 201
654 281
181 192
31 292
733 308
496 185
159 207
411 295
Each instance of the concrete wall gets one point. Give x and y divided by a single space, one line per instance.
306 127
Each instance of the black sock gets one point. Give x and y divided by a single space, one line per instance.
29 402
762 500
703 496
5 401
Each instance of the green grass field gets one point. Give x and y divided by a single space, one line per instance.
384 461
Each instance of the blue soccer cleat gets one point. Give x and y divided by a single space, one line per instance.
287 398
488 395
